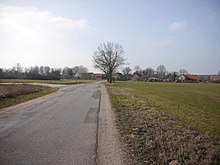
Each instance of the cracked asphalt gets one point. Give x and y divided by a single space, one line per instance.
61 128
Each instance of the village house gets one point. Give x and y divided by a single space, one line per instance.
118 76
136 77
215 78
87 76
99 76
188 78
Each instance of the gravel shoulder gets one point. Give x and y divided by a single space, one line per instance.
109 148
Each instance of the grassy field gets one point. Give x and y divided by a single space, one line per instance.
195 104
62 81
14 94
161 122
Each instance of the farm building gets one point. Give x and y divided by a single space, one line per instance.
99 76
136 77
188 78
215 78
118 76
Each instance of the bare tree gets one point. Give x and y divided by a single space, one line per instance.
81 70
108 58
19 69
161 70
137 69
126 71
183 71
149 71
67 72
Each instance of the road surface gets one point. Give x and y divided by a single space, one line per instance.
58 129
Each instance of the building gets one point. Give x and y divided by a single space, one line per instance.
136 77
99 76
188 78
215 78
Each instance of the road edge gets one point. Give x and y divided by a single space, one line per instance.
109 148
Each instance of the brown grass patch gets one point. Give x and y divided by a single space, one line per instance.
11 94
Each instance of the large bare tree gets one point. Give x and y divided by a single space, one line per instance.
108 58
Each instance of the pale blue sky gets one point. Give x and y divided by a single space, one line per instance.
175 33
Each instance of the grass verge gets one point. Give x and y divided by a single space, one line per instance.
162 123
14 94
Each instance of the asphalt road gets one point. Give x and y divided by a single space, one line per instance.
60 129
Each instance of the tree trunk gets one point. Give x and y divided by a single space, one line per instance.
110 77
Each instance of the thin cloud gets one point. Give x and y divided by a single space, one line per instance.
178 25
32 36
30 22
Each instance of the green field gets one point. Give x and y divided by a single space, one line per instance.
196 104
62 81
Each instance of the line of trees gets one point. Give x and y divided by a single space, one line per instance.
43 73
160 73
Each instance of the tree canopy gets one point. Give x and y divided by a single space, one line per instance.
108 58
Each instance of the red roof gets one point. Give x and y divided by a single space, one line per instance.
192 77
99 74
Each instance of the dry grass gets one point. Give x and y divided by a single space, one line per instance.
10 91
17 93
154 136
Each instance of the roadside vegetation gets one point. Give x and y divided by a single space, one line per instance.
164 123
62 81
11 94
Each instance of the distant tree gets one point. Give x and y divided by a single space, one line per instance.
126 71
75 69
219 72
46 70
161 70
19 69
55 74
41 70
34 70
108 58
79 71
149 71
67 73
174 76
1 73
137 69
183 71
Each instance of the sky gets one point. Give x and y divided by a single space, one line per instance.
179 34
